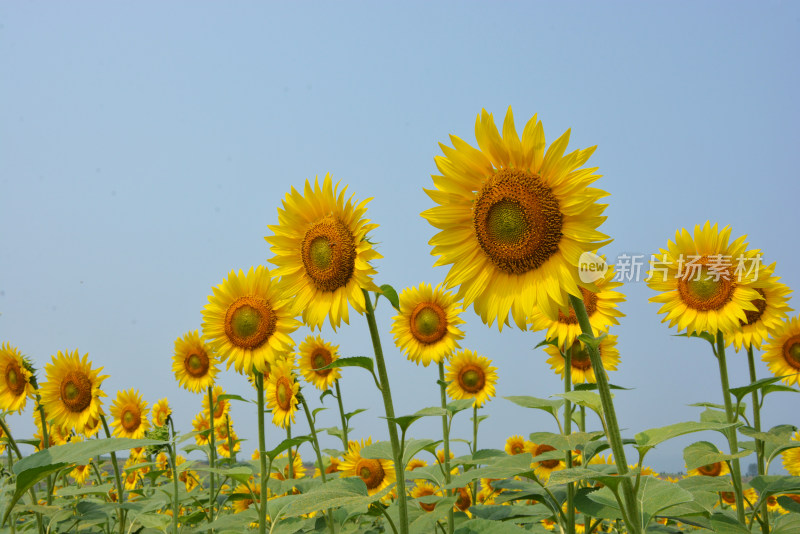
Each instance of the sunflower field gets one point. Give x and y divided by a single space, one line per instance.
517 223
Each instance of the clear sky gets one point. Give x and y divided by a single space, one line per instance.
145 147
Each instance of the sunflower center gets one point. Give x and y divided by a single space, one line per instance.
320 358
196 364
329 254
791 351
727 497
76 391
471 378
371 472
131 418
283 393
15 379
704 291
427 506
249 322
428 322
517 221
589 301
711 470
517 449
761 306
580 357
548 464
464 500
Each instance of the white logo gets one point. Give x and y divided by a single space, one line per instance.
591 267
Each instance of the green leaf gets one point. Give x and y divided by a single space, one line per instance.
336 493
405 421
702 335
391 295
550 406
740 392
485 526
413 446
431 411
772 388
588 399
544 342
459 405
787 524
503 468
381 450
776 440
655 495
711 415
228 396
241 474
590 386
285 444
597 503
767 485
427 522
591 341
648 439
349 415
787 503
353 361
725 524
704 453
574 441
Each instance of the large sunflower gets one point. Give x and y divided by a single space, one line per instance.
282 389
248 320
130 414
15 379
194 364
514 220
71 393
772 309
782 351
322 252
791 458
316 353
427 328
581 365
376 473
706 284
471 377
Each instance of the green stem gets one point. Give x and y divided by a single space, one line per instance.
173 459
231 452
290 467
567 431
212 455
315 444
262 455
13 445
611 425
46 445
730 432
117 479
389 407
446 442
759 444
345 441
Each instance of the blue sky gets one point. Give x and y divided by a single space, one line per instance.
145 148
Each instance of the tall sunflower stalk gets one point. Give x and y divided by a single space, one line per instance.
759 443
567 431
212 455
446 444
262 453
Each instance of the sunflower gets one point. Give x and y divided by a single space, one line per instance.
221 406
514 220
92 427
582 370
728 498
251 492
130 415
516 445
601 307
376 473
161 411
316 353
281 467
194 363
772 309
471 377
80 473
782 351
717 469
427 328
56 435
707 284
322 252
464 500
791 457
425 489
71 394
202 426
331 466
15 379
415 463
223 448
282 390
543 468
248 320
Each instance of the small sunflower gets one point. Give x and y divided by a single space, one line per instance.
425 489
772 309
543 468
471 377
281 393
194 363
582 370
376 473
316 353
281 467
71 394
80 473
427 328
223 448
92 427
782 351
705 283
464 500
717 469
331 466
130 415
791 458
322 252
728 498
415 463
514 220
248 320
252 493
15 379
202 426
161 411
221 406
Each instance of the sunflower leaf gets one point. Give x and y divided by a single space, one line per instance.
228 396
285 444
790 523
701 335
550 406
704 453
787 503
648 439
725 524
391 295
544 342
587 399
459 405
380 450
352 361
597 503
740 392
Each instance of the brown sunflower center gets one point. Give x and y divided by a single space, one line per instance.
320 358
548 464
517 449
728 497
131 418
580 357
427 506
702 290
196 364
464 500
76 391
249 322
331 469
15 379
428 322
760 304
711 470
471 378
283 393
371 472
517 221
791 351
329 254
589 301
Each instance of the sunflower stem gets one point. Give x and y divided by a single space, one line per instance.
757 425
13 445
610 416
45 445
117 478
567 431
290 467
474 448
174 462
389 407
730 433
345 441
262 454
231 452
315 445
212 453
446 443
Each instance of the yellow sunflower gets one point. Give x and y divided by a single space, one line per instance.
791 458
161 411
464 500
92 427
705 283
130 415
322 252
221 406
471 377
71 394
514 220
582 370
281 467
427 328
15 379
772 310
80 473
202 425
543 468
248 320
728 498
425 489
194 363
331 467
376 473
516 445
281 393
252 493
316 353
223 448
717 469
601 306
782 351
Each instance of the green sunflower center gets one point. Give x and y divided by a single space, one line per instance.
76 391
249 322
321 358
131 418
471 378
329 254
703 290
283 394
791 351
580 357
197 364
321 253
14 379
517 221
428 322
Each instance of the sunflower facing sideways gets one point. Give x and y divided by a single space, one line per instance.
782 351
514 220
248 320
322 252
15 379
315 353
130 414
471 377
427 328
71 393
282 389
376 473
581 365
193 363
